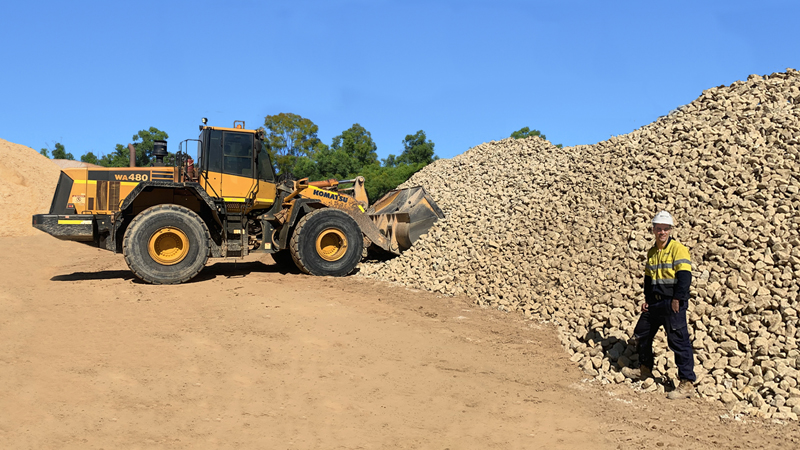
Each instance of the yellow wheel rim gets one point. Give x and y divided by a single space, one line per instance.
168 246
331 245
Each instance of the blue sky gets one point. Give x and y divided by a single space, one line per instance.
92 74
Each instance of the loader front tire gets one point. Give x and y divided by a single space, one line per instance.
327 242
166 244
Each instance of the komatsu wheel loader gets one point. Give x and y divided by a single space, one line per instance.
167 221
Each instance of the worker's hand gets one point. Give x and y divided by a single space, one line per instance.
644 307
676 305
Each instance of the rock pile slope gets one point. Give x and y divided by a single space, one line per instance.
27 183
561 235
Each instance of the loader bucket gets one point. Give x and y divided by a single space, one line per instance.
403 215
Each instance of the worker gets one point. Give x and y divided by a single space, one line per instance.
667 277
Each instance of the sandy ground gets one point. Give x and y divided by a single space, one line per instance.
247 356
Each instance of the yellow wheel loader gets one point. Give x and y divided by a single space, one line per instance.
167 221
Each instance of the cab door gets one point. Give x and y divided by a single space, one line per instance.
210 163
265 175
229 166
238 167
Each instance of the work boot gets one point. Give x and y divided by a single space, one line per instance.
639 373
685 389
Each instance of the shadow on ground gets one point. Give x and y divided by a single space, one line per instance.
221 269
621 353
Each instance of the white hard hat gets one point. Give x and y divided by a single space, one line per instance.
663 218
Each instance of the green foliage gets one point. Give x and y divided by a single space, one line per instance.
289 136
349 153
380 180
354 153
333 163
90 158
118 158
416 150
143 143
305 167
294 147
526 132
390 161
357 144
44 152
59 152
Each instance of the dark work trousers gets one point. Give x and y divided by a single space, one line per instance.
661 314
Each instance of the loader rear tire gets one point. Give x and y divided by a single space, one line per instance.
166 244
327 242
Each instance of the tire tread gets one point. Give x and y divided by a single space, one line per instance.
300 231
141 218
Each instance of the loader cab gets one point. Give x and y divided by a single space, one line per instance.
234 165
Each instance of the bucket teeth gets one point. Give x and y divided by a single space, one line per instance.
403 215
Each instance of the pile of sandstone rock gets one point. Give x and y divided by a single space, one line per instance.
561 235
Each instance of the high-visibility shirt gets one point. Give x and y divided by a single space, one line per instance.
668 272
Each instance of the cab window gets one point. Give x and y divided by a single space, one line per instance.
214 151
238 154
265 171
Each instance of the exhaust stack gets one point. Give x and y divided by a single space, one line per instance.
160 152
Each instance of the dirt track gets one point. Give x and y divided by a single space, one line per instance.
248 357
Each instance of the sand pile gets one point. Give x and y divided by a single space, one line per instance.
27 183
72 164
561 234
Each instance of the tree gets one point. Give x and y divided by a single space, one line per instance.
357 143
44 153
380 180
334 163
526 132
143 143
90 158
417 153
305 167
348 154
60 153
289 136
117 158
416 149
389 161
294 144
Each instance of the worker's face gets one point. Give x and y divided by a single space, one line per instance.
661 233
